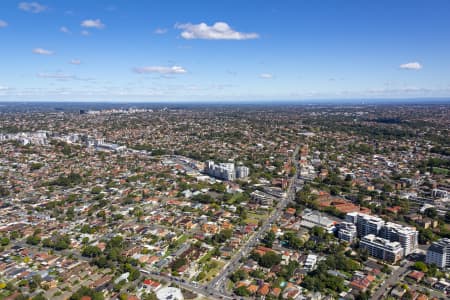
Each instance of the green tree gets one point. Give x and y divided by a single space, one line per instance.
242 291
14 235
96 190
102 262
363 254
269 239
33 240
431 212
421 266
86 228
4 191
238 275
134 274
223 236
4 241
149 296
363 296
85 291
270 259
179 263
447 217
35 166
115 242
39 297
91 251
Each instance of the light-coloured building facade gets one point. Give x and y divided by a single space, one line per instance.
439 253
382 248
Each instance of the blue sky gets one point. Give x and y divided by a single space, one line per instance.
223 50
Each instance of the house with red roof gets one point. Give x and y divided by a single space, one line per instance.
416 275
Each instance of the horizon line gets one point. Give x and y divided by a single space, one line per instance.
427 100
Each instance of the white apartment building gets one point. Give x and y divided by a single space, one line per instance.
347 232
226 171
382 248
439 253
408 237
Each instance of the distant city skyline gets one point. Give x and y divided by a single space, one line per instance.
223 51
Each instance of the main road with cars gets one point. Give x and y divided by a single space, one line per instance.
216 288
219 282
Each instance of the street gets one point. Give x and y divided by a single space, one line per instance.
201 290
218 283
393 279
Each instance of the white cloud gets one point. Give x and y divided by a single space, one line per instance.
42 51
160 30
32 7
61 76
3 24
4 90
265 76
411 66
64 29
75 62
93 24
161 70
85 33
218 31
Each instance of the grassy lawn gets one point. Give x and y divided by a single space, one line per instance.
253 218
182 239
235 198
213 271
206 257
230 285
440 171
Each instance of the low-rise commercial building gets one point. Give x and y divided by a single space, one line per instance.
314 218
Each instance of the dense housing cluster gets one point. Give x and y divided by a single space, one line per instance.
254 202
